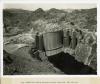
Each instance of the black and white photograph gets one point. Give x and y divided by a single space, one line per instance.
49 39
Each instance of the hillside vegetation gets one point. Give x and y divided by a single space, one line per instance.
17 21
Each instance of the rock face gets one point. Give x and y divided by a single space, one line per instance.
82 53
82 45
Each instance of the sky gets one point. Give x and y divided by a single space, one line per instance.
49 6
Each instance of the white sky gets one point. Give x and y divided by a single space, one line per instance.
49 6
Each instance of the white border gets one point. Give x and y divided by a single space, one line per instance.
51 2
71 1
98 37
1 39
